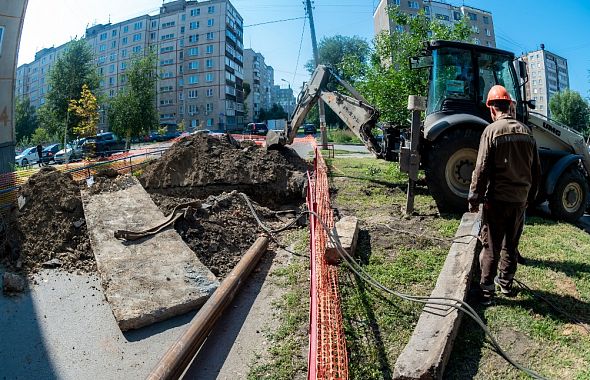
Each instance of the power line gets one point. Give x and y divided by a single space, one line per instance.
274 22
300 46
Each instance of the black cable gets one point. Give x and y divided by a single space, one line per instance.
273 22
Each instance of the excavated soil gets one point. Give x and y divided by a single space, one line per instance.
48 228
204 165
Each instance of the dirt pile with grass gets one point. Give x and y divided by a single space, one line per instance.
204 165
48 229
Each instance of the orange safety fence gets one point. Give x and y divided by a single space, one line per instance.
328 358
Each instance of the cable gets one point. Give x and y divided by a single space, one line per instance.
358 270
299 53
274 22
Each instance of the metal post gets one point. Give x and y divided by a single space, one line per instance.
316 57
411 159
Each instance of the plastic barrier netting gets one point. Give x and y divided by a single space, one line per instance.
327 354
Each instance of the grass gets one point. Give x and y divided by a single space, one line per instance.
378 327
342 136
287 356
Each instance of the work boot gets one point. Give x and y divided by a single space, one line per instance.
505 287
486 294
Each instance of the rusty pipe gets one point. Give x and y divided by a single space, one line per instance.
179 356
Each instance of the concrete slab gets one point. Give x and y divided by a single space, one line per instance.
429 348
149 280
347 230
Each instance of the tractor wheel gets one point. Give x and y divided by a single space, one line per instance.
568 201
451 161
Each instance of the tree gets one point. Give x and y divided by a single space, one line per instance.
86 111
387 79
40 136
26 119
132 112
340 51
568 107
276 112
71 71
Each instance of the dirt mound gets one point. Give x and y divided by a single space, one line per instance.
48 228
204 165
221 231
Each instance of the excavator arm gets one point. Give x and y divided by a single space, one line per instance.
353 109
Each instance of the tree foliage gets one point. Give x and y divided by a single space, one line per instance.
339 52
86 111
71 71
387 79
275 112
568 107
133 112
40 136
25 119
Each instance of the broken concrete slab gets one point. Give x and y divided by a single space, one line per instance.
13 284
150 280
427 353
347 230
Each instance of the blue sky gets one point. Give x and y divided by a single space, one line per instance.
520 25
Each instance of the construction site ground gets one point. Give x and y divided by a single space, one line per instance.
62 326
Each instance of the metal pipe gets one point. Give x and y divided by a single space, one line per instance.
179 356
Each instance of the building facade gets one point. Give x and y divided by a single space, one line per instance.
548 74
284 97
482 25
260 76
199 49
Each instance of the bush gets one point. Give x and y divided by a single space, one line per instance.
343 136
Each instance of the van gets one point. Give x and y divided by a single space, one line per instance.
257 129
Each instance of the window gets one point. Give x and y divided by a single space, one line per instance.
396 2
111 81
488 33
166 88
399 28
123 65
113 44
166 102
137 37
477 41
209 77
182 30
167 37
138 25
209 63
153 35
114 33
137 49
442 17
486 20
181 96
111 69
534 82
103 36
165 62
124 53
211 9
194 25
168 24
472 16
457 15
210 35
111 93
413 5
124 41
210 122
192 109
209 49
102 47
112 57
193 38
427 9
210 22
193 79
181 80
192 94
193 51
154 24
475 29
168 75
209 92
193 65
535 91
183 17
195 12
166 49
126 29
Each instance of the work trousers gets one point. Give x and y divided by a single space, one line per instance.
502 225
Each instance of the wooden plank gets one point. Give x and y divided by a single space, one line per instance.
427 353
146 281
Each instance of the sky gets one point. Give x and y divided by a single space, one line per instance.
520 26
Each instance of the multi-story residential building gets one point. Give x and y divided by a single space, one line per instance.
261 80
199 49
548 74
284 97
481 21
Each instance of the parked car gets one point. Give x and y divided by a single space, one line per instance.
27 157
257 129
103 144
73 151
309 129
49 153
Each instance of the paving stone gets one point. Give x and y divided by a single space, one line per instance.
347 230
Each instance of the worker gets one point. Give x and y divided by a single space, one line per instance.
39 154
505 180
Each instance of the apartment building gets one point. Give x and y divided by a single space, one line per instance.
199 48
548 74
284 97
481 21
260 76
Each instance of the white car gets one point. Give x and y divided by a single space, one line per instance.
27 157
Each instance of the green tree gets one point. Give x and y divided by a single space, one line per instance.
25 119
133 112
339 52
387 80
568 107
71 71
275 112
40 136
86 111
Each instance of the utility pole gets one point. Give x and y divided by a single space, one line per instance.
316 57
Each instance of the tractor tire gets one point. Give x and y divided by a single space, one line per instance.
569 199
451 161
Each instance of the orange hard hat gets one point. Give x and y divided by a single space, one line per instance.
498 93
